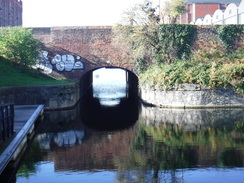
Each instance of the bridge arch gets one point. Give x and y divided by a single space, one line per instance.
86 79
109 102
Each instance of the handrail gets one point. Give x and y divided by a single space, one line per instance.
6 121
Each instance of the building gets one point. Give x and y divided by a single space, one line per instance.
199 8
10 13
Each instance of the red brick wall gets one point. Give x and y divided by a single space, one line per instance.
200 11
204 9
92 43
10 13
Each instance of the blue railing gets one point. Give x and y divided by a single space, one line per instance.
6 121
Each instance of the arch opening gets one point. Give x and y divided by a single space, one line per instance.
109 99
109 85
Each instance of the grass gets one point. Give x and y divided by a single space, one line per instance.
13 75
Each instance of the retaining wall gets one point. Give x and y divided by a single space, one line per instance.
67 95
52 96
192 96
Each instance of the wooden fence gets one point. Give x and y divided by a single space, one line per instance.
6 121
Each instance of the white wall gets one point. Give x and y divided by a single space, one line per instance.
230 14
241 12
218 17
233 14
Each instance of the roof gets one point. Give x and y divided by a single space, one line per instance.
237 2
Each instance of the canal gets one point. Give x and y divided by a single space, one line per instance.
162 146
111 137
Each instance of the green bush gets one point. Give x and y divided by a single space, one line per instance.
215 72
17 45
174 42
229 34
155 43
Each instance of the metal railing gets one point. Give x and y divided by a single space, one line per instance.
6 121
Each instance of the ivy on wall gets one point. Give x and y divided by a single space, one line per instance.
229 34
174 41
153 44
210 68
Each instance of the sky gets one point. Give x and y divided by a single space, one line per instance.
47 13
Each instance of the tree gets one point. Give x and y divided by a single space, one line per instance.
172 10
141 14
147 40
18 45
137 33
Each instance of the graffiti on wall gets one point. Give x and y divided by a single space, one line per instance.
66 62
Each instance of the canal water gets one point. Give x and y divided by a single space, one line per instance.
164 145
117 140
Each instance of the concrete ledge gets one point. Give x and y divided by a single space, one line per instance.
52 96
193 96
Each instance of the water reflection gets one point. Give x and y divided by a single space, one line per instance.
165 145
186 140
62 139
77 149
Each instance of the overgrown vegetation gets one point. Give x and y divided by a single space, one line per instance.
213 68
162 52
154 44
229 35
142 35
18 45
174 42
164 59
202 69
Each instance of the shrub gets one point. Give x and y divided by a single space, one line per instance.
215 72
229 34
17 45
174 42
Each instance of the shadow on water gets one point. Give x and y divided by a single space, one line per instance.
101 117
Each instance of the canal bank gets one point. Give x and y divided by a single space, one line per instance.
25 119
192 96
67 96
53 97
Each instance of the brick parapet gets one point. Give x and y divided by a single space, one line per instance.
91 43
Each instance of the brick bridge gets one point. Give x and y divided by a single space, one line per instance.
72 51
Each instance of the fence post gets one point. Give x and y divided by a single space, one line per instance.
6 121
1 123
